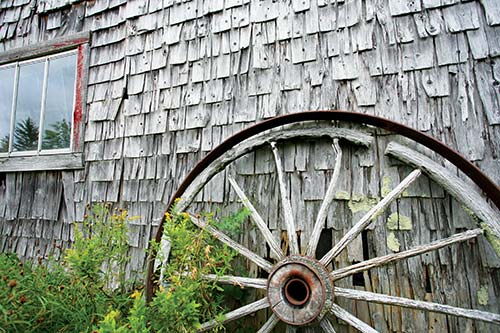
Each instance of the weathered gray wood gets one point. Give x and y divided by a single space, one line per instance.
325 205
327 326
40 49
368 217
238 313
387 259
460 190
361 295
247 146
238 281
269 324
66 161
285 203
264 230
261 262
351 319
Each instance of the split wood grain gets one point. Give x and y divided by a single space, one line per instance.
368 217
353 136
244 251
266 233
238 313
238 281
384 260
285 203
327 201
460 190
269 324
351 319
360 295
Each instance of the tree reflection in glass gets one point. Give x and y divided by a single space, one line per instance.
59 103
6 92
29 99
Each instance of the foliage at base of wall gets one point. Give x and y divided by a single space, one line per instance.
81 293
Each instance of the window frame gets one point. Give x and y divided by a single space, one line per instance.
53 159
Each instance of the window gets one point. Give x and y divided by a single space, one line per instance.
41 106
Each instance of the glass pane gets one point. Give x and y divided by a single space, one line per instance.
6 90
28 104
59 103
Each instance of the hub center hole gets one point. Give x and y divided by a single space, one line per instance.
297 291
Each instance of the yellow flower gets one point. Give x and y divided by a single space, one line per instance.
168 216
136 294
161 288
207 251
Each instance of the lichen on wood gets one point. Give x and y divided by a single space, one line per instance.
397 221
492 238
482 296
360 203
392 242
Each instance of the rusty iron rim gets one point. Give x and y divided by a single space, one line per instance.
490 189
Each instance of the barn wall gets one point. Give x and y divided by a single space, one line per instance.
169 80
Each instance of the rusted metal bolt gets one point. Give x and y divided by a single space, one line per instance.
297 291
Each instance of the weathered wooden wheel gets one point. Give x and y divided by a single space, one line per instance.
300 289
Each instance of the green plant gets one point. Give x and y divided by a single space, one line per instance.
71 296
82 293
185 300
101 240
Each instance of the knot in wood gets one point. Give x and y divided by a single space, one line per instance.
298 289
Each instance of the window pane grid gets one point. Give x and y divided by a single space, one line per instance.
55 126
13 107
44 96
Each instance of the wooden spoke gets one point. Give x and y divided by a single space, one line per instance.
368 217
238 313
421 305
351 319
287 207
454 185
243 282
270 324
384 260
261 262
323 210
327 326
268 236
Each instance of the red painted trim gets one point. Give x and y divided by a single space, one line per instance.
74 42
78 107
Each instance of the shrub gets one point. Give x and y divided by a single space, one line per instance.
73 295
83 294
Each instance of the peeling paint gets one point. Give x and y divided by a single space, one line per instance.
392 242
492 238
359 203
399 222
482 296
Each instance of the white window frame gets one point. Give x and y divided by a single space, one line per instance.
49 159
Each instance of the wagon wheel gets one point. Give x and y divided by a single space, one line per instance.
300 289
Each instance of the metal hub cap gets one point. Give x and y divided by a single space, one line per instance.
298 289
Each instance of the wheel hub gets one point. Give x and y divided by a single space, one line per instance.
298 289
